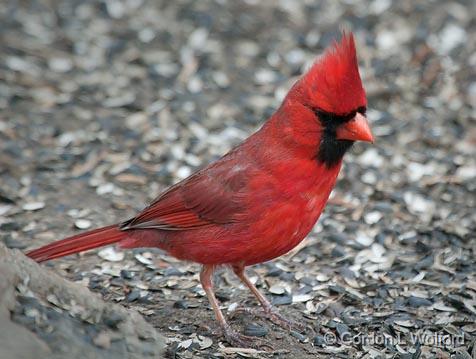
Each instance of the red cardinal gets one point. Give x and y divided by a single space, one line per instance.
262 198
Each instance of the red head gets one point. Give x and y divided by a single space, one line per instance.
333 91
333 83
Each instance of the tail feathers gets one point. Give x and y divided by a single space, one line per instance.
78 243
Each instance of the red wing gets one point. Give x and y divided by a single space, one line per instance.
212 196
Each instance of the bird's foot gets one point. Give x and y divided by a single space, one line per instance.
272 314
239 340
277 318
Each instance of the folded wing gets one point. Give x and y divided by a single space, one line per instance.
211 197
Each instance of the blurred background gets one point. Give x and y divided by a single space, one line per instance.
103 104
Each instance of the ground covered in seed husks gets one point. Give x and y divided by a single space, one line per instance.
103 104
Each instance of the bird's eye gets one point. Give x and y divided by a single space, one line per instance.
331 118
362 110
323 116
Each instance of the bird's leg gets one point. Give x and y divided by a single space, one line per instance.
231 336
269 311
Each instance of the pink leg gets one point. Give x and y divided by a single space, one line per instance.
231 336
269 312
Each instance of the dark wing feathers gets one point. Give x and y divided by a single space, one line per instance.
214 196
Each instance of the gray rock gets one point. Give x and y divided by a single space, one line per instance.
44 316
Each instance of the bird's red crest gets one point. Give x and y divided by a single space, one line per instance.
333 83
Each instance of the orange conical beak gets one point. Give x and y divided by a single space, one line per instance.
356 129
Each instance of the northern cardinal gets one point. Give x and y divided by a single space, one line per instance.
262 198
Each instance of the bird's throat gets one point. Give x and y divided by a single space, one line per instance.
331 150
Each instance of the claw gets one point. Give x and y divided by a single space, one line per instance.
277 318
273 315
239 340
268 311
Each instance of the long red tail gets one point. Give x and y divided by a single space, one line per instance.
78 243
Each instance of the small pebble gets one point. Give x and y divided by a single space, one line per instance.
281 299
301 337
111 255
338 251
102 340
419 302
13 243
112 319
255 330
277 289
451 36
126 274
33 206
181 304
319 341
82 223
133 295
342 330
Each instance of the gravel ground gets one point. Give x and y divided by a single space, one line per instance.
103 104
